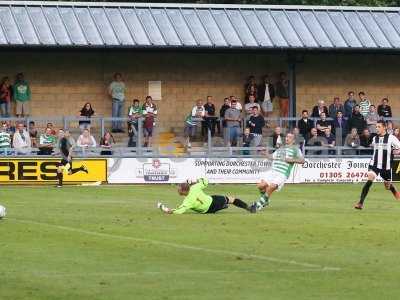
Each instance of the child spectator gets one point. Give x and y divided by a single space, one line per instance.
21 140
5 97
5 140
364 104
247 140
47 142
86 140
22 96
117 93
86 112
134 113
33 134
384 109
149 112
106 143
52 130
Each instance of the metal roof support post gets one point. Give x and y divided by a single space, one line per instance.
292 85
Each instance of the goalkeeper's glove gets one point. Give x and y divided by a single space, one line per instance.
163 208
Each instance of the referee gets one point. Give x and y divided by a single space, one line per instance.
381 162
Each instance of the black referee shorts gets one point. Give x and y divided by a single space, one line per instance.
218 203
385 174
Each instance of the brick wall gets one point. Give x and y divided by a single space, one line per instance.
62 81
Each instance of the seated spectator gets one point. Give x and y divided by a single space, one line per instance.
298 138
340 128
47 142
364 104
222 111
65 133
149 110
52 130
357 120
5 97
389 127
10 128
305 125
396 132
86 112
256 123
106 143
372 118
349 105
33 134
189 129
5 140
248 107
335 107
323 124
266 94
329 141
314 141
251 88
366 141
210 119
353 141
233 121
278 138
318 109
384 110
247 140
238 104
86 140
21 140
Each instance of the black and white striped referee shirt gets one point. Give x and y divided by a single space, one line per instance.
383 146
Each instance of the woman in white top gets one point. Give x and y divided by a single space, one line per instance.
86 140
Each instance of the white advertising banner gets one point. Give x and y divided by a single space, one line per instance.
231 170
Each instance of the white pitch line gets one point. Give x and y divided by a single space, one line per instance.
181 246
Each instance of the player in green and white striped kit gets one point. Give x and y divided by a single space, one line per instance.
283 160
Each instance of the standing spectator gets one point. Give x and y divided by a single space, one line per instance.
364 104
238 104
198 114
282 91
372 118
384 109
222 111
210 118
323 124
349 104
256 123
33 134
366 141
248 107
318 109
340 128
5 97
329 140
22 96
134 114
277 138
335 107
314 141
266 94
251 88
106 143
5 140
117 93
86 112
86 140
247 140
233 121
189 129
357 120
305 124
47 141
51 127
21 140
353 141
150 113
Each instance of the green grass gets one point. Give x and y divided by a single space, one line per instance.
107 243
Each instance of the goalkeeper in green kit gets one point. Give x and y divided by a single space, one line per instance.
198 201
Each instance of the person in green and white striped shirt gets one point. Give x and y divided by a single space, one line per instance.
364 104
5 137
283 160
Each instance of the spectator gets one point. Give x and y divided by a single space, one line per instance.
353 141
116 90
33 134
10 129
389 127
349 105
189 129
134 114
384 110
357 120
318 109
21 140
256 123
335 107
251 88
247 140
210 119
396 132
5 97
282 91
266 94
364 104
86 112
222 111
22 96
278 138
233 121
366 141
5 140
314 141
150 113
323 124
329 140
106 143
198 114
305 124
86 140
299 139
372 118
47 141
340 128
248 107
51 127
238 104
65 133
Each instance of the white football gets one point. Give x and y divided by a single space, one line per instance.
3 211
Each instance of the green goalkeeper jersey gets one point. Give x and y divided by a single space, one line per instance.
279 163
196 200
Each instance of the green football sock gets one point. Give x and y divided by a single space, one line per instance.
262 201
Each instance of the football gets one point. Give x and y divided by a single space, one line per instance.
3 211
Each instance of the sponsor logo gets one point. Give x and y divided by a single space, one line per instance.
156 171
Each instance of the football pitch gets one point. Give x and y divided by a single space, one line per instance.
110 242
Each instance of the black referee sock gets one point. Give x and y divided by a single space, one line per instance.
365 190
239 203
393 189
60 178
73 171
